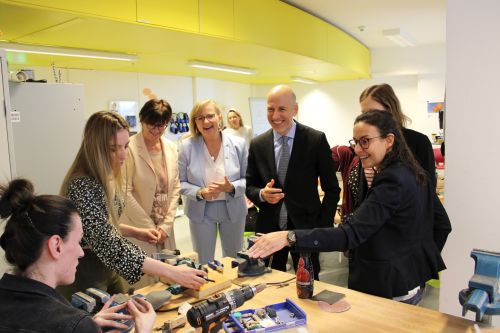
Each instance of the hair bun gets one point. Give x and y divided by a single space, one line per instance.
16 197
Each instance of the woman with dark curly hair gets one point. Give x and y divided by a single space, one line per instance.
396 235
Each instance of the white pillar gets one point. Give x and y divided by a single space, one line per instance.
472 179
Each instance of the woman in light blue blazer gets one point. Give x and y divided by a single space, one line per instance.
212 168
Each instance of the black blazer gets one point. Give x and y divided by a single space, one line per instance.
311 158
395 236
421 147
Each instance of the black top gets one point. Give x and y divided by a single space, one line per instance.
394 237
30 306
421 147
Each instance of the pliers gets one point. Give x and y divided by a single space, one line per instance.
216 265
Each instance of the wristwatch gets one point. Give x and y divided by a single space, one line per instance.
290 237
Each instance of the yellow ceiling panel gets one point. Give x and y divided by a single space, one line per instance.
174 14
16 22
350 55
258 22
167 51
217 18
116 9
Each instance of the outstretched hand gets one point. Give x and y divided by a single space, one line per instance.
269 243
271 194
188 277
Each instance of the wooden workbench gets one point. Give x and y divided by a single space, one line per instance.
367 314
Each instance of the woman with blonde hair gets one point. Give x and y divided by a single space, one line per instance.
237 127
212 168
93 184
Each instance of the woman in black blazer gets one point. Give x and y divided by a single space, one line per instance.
397 233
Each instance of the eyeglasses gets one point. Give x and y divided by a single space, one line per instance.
363 142
208 117
160 127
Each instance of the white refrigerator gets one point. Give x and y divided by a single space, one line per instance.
47 123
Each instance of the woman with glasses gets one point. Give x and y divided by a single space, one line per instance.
357 180
42 242
236 126
152 182
212 168
94 184
397 233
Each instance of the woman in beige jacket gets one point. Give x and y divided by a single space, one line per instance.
152 174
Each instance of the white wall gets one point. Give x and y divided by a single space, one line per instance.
332 107
226 94
181 92
472 150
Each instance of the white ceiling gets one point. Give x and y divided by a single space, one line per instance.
424 20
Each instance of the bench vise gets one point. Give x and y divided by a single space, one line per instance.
249 266
482 296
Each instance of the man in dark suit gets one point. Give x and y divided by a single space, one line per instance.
284 164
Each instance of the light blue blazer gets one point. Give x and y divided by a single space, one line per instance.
192 176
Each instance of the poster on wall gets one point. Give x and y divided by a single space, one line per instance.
128 110
435 107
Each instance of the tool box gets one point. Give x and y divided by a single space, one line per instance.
272 318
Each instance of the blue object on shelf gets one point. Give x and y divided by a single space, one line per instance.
287 315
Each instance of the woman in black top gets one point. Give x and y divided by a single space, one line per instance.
382 97
42 242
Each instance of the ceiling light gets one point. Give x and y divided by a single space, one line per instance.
223 68
399 37
302 80
66 52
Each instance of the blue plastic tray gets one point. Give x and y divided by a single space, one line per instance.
284 319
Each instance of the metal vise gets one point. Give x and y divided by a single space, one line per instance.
482 296
249 266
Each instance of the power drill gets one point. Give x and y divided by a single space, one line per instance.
211 313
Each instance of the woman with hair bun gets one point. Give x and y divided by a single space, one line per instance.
42 242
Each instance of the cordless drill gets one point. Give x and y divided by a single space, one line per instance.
211 313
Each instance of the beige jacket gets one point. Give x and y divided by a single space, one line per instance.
140 187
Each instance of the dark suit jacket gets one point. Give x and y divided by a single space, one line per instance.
310 159
394 237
